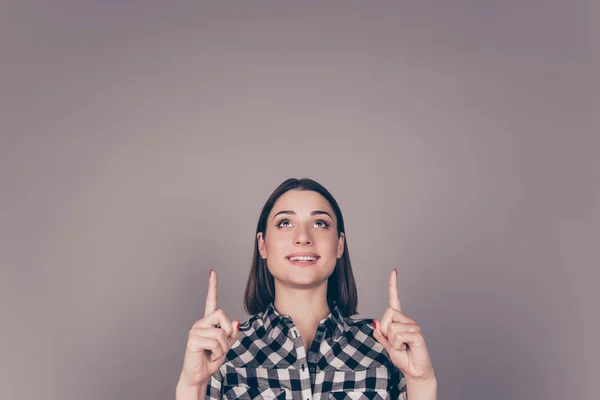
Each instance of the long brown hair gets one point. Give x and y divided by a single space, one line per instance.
260 288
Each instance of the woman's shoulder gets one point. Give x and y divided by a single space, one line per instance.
252 328
251 323
360 324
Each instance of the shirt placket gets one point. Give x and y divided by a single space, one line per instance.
301 366
313 354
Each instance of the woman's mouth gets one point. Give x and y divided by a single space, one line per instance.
303 260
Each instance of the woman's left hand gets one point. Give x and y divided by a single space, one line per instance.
402 338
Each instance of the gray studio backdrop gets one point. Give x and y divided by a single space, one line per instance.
139 140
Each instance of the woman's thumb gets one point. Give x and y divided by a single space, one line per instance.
236 331
379 336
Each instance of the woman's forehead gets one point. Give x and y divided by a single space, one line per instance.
301 201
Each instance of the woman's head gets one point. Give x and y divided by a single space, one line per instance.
301 218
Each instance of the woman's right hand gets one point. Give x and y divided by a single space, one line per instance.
208 344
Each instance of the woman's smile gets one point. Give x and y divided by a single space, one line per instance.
303 259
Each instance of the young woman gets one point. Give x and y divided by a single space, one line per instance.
300 342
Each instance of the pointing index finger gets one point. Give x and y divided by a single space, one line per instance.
211 297
394 297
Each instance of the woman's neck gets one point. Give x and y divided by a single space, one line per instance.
306 307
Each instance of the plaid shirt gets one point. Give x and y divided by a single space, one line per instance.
269 361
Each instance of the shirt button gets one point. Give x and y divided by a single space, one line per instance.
312 369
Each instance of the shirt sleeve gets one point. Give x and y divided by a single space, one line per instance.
214 387
397 385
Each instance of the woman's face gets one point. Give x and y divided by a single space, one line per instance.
301 244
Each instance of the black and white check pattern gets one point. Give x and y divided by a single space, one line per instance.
269 361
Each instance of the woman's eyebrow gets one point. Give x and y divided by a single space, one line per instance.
316 212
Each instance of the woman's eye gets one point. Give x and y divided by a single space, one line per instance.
285 223
323 224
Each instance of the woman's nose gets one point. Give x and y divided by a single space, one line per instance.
303 237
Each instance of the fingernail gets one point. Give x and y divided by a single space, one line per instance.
210 273
395 271
238 325
374 324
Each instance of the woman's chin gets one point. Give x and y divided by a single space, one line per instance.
307 281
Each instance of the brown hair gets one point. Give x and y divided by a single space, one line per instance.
260 288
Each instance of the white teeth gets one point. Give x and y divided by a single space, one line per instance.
303 258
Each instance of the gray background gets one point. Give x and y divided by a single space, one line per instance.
139 141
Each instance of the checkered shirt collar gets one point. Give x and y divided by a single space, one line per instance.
278 324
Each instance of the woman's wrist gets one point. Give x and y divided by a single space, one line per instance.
189 392
422 389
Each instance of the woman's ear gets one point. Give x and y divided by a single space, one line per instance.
261 245
340 249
